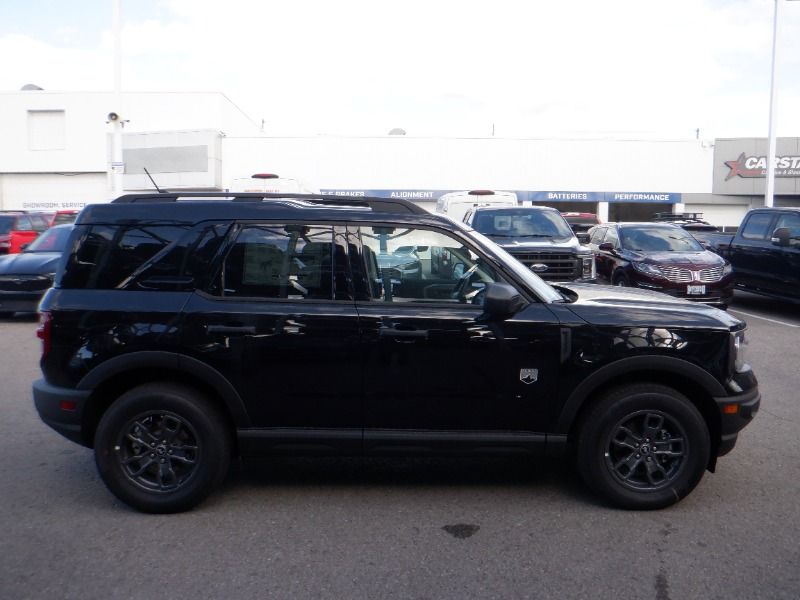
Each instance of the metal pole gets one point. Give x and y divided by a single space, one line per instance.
769 191
116 126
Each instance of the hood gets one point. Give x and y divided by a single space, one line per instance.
691 260
521 244
613 305
29 263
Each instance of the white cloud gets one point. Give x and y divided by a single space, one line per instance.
456 68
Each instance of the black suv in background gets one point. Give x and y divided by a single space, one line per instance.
185 329
539 237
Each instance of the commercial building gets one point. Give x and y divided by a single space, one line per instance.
55 154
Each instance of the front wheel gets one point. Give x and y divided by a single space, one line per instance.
642 446
162 447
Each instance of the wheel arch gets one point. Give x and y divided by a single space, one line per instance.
690 380
112 378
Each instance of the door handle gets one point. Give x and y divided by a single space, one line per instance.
391 332
230 328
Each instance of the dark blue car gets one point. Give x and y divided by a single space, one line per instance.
25 277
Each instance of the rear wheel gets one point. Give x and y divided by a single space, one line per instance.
642 446
162 447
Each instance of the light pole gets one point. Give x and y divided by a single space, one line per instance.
117 166
769 191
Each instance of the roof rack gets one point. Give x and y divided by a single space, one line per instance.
391 205
663 216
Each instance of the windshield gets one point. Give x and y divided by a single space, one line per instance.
658 239
533 281
52 240
521 223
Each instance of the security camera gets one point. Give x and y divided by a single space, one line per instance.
113 117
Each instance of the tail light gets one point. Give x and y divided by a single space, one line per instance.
45 332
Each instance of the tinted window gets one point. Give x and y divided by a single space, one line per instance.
39 223
107 255
6 223
280 261
597 235
658 239
23 224
791 221
757 226
418 265
611 237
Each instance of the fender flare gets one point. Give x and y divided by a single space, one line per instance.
624 366
176 362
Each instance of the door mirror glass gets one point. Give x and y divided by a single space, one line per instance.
781 236
583 237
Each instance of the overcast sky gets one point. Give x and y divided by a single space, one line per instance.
570 68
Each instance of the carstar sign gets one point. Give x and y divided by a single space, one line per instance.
756 166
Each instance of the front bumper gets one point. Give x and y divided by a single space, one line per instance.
62 409
736 412
20 301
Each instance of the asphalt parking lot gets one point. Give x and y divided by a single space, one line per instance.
399 528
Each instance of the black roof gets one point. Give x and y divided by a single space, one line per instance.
194 207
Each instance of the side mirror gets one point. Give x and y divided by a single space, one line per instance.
583 237
501 301
24 247
606 247
781 236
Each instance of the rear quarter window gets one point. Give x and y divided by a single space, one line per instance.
105 256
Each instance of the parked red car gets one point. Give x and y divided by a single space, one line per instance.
661 257
18 229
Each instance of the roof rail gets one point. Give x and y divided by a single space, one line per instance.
664 216
395 205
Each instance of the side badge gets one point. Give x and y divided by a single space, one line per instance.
528 375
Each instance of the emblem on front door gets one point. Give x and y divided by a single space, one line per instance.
528 375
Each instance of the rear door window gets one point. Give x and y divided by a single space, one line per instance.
290 261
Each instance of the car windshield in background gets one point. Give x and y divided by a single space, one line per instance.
521 223
52 240
658 239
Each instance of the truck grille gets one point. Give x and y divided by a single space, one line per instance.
560 267
683 275
24 283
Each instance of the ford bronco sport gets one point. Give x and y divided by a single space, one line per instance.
185 329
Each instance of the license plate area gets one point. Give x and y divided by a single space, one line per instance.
695 290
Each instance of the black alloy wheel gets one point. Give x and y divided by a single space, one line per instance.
621 280
642 446
163 447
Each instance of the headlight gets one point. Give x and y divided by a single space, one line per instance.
647 268
588 267
727 269
739 351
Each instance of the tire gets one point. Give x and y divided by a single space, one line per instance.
642 446
621 280
162 447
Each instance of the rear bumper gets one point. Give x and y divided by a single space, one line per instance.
62 409
736 412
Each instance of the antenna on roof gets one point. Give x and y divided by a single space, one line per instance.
155 185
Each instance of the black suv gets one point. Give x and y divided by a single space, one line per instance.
185 329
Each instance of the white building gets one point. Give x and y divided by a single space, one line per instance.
55 153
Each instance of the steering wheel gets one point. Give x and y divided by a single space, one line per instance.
462 292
